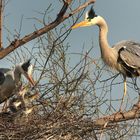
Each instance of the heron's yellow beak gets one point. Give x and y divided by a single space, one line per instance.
81 24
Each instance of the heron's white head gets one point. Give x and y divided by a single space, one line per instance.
90 19
26 68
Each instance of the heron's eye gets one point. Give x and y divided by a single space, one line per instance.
89 19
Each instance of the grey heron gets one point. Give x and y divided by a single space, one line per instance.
123 56
10 79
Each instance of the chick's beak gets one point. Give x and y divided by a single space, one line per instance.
81 24
29 75
30 79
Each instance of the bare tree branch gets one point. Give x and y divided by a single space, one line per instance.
60 18
132 114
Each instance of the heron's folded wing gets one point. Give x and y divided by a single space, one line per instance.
131 56
2 78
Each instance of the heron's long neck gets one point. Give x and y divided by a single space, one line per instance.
108 54
17 75
103 42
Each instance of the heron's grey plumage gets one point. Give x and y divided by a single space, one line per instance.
2 77
9 84
129 57
10 80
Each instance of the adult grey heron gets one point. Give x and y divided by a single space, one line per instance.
123 57
10 79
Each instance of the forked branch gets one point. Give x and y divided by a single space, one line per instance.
59 19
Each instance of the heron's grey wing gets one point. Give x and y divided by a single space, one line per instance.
7 84
130 54
129 57
2 78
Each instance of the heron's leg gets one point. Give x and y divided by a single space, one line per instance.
125 92
125 88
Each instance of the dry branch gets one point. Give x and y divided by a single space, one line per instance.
59 19
132 114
